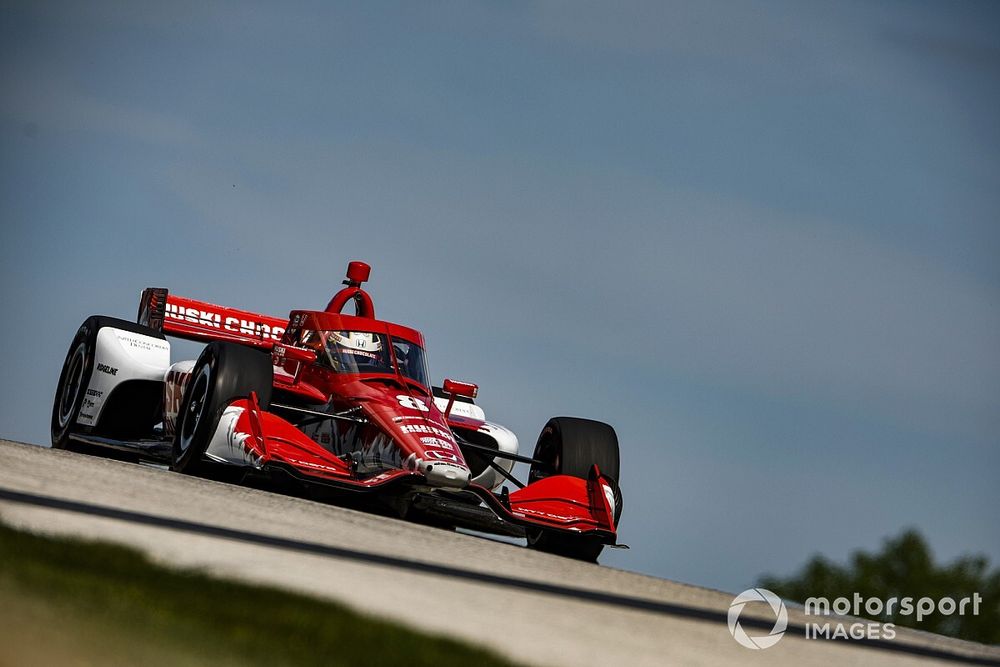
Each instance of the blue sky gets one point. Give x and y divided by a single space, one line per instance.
761 239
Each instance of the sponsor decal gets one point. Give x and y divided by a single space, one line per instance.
525 513
146 344
442 456
110 370
436 442
425 428
208 318
313 465
173 394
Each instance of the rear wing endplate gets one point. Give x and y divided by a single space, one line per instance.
197 320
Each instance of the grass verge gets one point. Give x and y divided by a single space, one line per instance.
67 601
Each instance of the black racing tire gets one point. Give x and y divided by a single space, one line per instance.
571 446
224 372
77 370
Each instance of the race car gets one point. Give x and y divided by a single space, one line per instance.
336 405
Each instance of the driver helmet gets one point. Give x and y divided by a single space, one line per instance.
357 342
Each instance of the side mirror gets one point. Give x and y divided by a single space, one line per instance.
455 388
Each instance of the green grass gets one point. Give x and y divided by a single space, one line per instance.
66 601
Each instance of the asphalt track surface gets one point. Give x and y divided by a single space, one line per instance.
536 608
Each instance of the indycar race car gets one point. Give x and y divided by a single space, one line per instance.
332 404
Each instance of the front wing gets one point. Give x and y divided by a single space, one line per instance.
252 436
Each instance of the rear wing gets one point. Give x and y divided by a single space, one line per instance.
197 320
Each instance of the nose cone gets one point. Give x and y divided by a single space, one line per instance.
421 434
447 475
439 471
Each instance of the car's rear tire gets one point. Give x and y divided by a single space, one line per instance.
224 372
571 446
77 370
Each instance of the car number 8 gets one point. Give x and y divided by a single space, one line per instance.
412 403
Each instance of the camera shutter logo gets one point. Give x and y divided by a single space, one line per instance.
780 623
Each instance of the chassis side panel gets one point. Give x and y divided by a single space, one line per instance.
121 356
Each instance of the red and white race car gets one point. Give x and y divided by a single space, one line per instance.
331 403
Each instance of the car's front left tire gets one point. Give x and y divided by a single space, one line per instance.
223 373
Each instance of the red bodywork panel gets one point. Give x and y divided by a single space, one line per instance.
398 419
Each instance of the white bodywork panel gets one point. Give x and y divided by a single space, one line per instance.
460 409
505 439
121 356
507 443
226 445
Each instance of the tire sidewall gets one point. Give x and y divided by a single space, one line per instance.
85 338
187 459
570 446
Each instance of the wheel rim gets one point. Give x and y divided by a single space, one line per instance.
549 454
195 408
72 386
